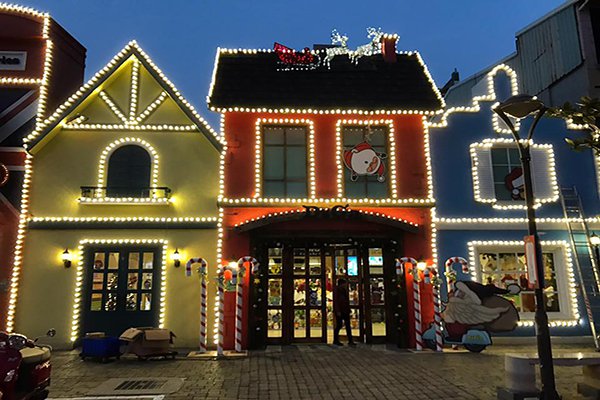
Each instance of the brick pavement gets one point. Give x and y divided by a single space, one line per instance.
314 372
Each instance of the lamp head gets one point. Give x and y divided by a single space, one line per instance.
519 106
595 239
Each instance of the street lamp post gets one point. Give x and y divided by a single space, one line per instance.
595 241
520 106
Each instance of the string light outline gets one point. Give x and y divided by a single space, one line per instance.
123 219
258 163
490 96
303 211
77 294
391 145
119 58
269 110
475 172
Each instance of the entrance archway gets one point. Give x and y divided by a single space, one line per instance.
303 254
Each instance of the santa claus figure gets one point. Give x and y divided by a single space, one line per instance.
475 305
363 160
515 183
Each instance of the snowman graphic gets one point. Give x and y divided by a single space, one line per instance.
362 159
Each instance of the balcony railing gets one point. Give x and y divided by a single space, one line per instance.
155 192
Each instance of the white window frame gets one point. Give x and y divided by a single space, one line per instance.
481 179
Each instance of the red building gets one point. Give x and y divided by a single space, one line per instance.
326 175
40 65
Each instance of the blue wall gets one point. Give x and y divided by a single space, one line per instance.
453 185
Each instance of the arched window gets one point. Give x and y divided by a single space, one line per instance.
129 170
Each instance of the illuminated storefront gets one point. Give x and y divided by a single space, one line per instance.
326 175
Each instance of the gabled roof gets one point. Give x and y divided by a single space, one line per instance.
91 88
254 79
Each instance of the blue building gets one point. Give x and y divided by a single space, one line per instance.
480 206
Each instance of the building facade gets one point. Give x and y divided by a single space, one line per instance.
40 65
479 201
326 175
105 188
480 207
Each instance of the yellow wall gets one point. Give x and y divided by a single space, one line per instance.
188 164
67 159
46 291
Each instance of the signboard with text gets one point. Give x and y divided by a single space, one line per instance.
13 60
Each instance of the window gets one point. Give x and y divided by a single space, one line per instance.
498 177
370 181
508 174
284 161
503 268
129 169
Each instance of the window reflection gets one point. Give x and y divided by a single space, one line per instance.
274 323
506 268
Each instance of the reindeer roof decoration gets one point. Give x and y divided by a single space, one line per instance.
307 59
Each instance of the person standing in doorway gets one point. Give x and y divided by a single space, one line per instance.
341 309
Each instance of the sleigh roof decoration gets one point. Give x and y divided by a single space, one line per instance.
327 80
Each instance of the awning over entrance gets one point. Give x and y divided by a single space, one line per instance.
335 213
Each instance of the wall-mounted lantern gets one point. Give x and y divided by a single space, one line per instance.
67 258
176 257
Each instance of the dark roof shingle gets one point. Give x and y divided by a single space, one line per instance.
256 80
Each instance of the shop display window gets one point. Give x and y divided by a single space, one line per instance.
505 268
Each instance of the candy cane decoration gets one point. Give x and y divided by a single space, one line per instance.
400 263
451 273
239 306
417 307
202 271
416 297
437 311
221 284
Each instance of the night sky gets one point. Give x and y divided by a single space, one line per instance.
181 36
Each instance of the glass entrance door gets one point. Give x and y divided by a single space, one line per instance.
343 262
300 284
121 289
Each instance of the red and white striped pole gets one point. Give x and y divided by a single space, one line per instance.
239 304
417 307
437 311
202 271
238 275
416 296
221 284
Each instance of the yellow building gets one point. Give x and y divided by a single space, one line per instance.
119 178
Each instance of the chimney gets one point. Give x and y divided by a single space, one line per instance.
388 47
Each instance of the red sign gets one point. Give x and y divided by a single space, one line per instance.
530 259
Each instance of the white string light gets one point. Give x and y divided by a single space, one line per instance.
223 51
252 201
303 211
442 121
293 122
391 147
502 142
123 219
77 300
130 52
